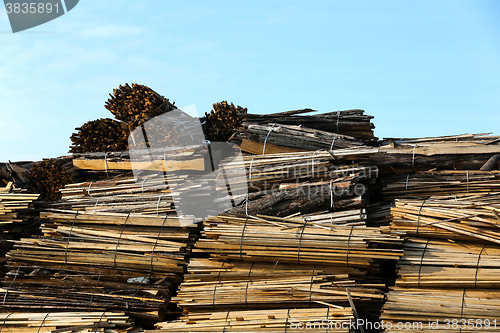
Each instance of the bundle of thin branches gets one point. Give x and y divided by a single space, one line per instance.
137 104
101 135
222 121
48 177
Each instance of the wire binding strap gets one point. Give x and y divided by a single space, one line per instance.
250 270
67 243
220 270
477 266
287 316
156 242
106 163
93 292
225 323
265 141
96 202
118 242
421 261
467 181
88 189
312 164
418 218
241 239
246 205
99 322
246 294
311 285
5 320
142 185
413 157
158 204
327 316
300 239
43 322
407 179
462 309
338 120
11 284
213 297
348 241
333 141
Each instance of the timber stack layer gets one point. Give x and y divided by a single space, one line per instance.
334 226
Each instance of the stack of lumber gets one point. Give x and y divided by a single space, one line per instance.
119 195
295 240
221 123
100 135
325 319
17 217
277 184
443 264
103 261
460 152
425 184
276 292
290 138
48 176
455 310
137 104
41 322
472 217
352 123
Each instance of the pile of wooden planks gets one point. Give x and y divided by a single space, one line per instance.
352 123
290 138
100 135
17 217
295 240
325 319
45 322
103 261
425 184
444 264
447 310
460 152
472 217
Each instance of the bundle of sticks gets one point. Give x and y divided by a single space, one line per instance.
324 319
353 123
101 135
435 264
473 217
123 262
137 104
461 152
58 322
441 310
295 240
48 176
222 121
447 182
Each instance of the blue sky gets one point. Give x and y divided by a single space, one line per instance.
422 68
